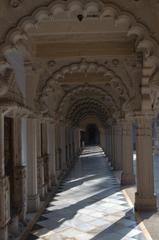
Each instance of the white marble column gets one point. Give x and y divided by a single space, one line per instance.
62 133
145 200
118 147
58 149
103 138
4 188
113 146
110 143
67 146
51 153
20 172
33 196
156 136
127 177
40 160
77 141
71 144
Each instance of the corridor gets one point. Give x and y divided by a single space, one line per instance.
88 205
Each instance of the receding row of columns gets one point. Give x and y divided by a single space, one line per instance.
119 142
43 152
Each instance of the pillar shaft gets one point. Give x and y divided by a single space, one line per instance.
63 146
117 144
118 147
4 188
33 196
51 153
144 198
127 177
40 160
20 173
113 146
2 167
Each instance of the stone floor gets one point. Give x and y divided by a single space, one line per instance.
89 205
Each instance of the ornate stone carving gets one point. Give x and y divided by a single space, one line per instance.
82 10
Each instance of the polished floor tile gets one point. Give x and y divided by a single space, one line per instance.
89 205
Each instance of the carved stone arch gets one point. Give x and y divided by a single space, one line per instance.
75 91
122 20
118 89
81 101
85 67
86 105
57 9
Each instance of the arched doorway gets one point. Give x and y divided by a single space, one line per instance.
92 135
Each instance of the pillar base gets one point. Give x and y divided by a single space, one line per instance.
4 233
145 203
33 203
127 179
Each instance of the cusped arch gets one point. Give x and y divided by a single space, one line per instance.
86 105
77 91
84 102
85 9
85 67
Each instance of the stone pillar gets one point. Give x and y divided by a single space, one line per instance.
51 153
156 136
20 172
71 145
63 146
33 196
110 143
113 146
4 188
45 157
118 147
40 160
127 177
145 200
103 139
58 149
67 147
77 141
106 142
